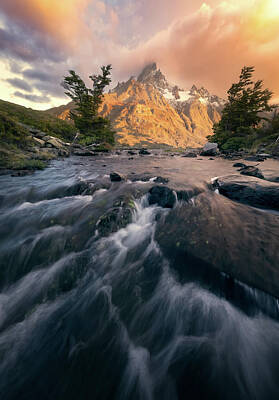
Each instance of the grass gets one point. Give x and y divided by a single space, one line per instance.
16 145
29 164
38 119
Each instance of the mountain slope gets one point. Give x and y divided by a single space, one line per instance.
149 110
38 119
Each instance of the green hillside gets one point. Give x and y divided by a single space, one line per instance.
16 142
38 119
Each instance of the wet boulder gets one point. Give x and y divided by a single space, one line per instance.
163 196
256 158
209 149
144 152
252 171
214 234
252 191
239 165
160 179
190 155
114 219
117 217
116 177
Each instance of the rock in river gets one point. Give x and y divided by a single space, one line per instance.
209 149
216 233
252 191
252 171
144 152
163 196
116 177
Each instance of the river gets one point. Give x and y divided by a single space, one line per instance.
93 312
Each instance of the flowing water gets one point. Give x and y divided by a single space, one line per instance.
85 316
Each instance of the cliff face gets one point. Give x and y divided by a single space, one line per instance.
149 110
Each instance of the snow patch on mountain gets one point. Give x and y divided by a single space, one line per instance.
173 94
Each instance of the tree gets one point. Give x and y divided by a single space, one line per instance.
243 112
92 127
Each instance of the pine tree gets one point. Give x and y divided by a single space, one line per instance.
243 112
92 127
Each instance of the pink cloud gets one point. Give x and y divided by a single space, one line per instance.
192 42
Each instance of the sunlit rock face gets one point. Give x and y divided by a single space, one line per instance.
149 110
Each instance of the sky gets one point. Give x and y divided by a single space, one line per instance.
193 42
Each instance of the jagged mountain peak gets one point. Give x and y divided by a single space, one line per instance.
176 96
147 72
149 109
153 76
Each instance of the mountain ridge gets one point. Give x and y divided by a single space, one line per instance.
149 110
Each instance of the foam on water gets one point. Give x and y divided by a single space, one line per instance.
112 320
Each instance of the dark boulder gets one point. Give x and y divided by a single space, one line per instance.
216 234
190 155
163 196
252 191
255 158
131 153
239 165
115 177
160 179
144 152
252 171
209 149
114 219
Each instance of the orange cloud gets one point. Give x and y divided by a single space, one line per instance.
57 19
205 42
210 46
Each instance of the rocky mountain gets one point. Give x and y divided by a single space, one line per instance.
149 110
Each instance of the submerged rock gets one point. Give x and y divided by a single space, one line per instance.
239 165
163 196
252 171
23 172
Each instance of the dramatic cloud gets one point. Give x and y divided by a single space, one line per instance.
20 84
32 97
206 43
210 46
